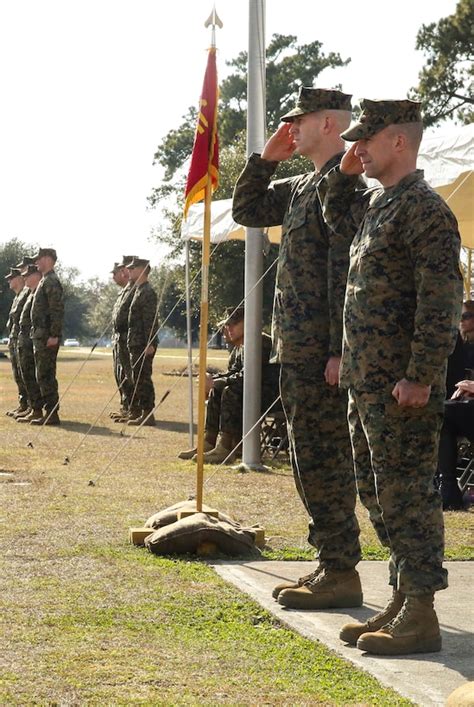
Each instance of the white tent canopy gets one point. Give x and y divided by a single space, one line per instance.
447 158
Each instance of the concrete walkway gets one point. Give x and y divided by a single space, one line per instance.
426 679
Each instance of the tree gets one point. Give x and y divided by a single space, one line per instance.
10 254
289 66
446 86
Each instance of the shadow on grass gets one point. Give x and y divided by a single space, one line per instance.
83 427
174 426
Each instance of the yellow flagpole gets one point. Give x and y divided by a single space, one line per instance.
206 249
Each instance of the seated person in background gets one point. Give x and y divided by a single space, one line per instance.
458 419
225 391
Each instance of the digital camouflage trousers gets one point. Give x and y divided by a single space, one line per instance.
143 394
45 366
395 454
15 362
28 373
321 459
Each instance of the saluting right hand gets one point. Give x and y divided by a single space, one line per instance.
350 163
280 146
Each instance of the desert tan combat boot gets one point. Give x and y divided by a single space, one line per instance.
330 589
49 419
190 453
294 585
32 415
350 633
146 419
415 629
25 412
221 452
20 410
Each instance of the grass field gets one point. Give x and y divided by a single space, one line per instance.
89 619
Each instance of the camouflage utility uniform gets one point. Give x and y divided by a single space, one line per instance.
26 356
47 314
225 402
307 330
121 356
402 306
142 332
13 325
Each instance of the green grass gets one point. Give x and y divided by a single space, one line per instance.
86 618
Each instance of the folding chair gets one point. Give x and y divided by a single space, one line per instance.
274 434
465 465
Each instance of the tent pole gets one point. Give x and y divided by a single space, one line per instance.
190 348
251 455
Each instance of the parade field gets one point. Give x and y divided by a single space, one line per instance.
88 618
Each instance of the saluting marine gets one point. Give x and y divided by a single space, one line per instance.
402 306
307 338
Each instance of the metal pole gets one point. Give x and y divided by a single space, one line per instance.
190 348
251 455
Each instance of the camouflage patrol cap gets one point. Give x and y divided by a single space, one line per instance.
116 268
26 260
137 263
377 115
310 100
14 272
30 270
48 252
233 315
128 259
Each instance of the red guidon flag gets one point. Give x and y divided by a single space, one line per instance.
205 156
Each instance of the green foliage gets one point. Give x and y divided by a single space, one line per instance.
10 254
289 66
177 144
446 85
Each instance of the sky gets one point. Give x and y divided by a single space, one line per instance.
89 89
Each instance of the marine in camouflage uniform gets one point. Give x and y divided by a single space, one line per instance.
16 284
142 342
307 335
47 315
223 428
121 357
402 306
25 349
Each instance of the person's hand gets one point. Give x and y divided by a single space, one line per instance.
52 342
350 163
331 372
464 389
411 395
280 146
150 350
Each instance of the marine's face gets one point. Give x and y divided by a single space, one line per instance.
15 283
234 332
31 281
305 132
121 277
44 264
376 153
466 325
134 273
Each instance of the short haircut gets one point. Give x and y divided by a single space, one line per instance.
341 117
469 305
412 131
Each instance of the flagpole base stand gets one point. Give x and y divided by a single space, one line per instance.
243 468
137 535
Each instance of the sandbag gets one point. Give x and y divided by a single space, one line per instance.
170 514
203 535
